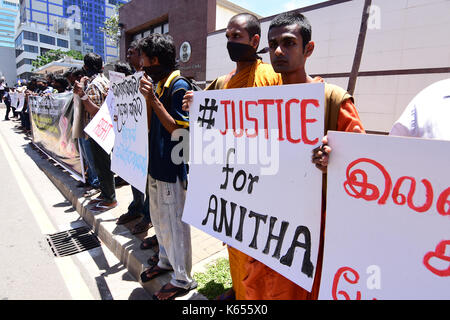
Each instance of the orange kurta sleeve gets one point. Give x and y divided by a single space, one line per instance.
348 117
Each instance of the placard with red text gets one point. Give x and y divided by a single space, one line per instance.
252 183
387 233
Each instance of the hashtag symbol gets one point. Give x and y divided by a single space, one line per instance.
213 108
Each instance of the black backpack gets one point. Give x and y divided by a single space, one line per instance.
167 97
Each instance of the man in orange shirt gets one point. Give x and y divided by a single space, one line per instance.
290 46
243 34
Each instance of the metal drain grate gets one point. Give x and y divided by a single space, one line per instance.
72 241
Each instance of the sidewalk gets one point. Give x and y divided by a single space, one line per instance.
119 239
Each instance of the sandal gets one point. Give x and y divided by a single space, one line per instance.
153 260
153 272
149 243
141 226
177 291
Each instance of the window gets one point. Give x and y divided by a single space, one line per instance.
63 43
23 62
46 39
44 51
78 43
32 49
77 32
19 40
27 35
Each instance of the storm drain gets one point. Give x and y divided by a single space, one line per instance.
72 241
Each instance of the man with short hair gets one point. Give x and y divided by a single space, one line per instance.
290 46
167 181
243 34
139 205
92 90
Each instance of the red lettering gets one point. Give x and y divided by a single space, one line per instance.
225 103
304 121
343 272
265 103
247 116
357 186
241 118
396 195
280 120
352 182
443 203
288 121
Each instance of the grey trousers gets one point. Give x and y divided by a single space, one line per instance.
174 236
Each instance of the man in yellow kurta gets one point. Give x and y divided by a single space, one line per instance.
243 33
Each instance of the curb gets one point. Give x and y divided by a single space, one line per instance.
117 238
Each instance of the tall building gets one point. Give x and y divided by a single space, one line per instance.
8 13
75 21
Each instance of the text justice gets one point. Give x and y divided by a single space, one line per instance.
284 123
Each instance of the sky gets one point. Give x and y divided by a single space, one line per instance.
267 8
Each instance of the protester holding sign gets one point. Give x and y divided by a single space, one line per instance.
139 204
167 181
243 34
92 91
290 46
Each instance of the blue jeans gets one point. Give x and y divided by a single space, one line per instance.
92 178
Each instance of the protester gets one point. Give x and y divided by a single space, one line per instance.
243 34
7 101
139 205
92 90
427 115
167 181
60 84
290 46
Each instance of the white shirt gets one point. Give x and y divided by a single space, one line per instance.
427 115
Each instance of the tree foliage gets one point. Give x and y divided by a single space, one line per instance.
111 26
55 54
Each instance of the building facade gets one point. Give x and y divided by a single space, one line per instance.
188 22
78 21
384 53
8 13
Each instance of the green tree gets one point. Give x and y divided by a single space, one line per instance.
53 55
111 26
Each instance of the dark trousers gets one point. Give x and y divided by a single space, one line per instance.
138 205
8 109
102 165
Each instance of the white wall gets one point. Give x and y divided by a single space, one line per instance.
402 35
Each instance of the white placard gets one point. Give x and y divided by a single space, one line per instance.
130 153
100 128
251 173
21 99
388 218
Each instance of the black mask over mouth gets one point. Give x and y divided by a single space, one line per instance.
157 73
241 52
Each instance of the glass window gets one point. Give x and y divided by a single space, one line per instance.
63 43
44 51
32 49
46 39
30 35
